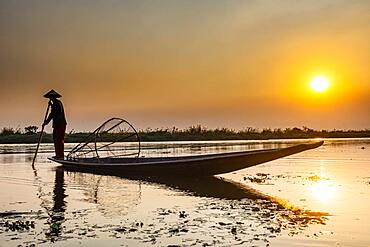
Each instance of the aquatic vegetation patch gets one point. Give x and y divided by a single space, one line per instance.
366 180
229 222
210 222
317 178
259 178
17 225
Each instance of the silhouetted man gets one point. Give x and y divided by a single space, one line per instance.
59 122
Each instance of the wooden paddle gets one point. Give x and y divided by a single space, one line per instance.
41 133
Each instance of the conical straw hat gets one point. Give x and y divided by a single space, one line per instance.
52 94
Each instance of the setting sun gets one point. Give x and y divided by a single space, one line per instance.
320 84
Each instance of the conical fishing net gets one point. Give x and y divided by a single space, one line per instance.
113 139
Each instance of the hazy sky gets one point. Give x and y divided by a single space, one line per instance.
164 63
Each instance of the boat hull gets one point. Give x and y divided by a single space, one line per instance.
201 165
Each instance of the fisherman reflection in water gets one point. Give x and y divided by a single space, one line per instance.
59 122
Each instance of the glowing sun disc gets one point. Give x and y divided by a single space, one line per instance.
320 84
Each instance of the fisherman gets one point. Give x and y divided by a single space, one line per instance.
59 122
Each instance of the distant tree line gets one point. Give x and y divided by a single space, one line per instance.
198 132
192 133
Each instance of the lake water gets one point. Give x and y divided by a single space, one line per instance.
319 197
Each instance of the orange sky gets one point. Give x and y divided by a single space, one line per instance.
164 63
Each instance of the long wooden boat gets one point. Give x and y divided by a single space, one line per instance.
199 165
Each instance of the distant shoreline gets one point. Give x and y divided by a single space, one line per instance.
194 133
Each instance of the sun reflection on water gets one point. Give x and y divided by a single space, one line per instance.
323 190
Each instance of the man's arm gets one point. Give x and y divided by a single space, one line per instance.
51 114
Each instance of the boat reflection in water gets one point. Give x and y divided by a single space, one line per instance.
208 186
219 200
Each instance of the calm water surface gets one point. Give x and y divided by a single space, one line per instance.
319 197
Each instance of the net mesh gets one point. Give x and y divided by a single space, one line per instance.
113 139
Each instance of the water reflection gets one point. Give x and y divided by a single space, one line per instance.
231 212
211 186
56 208
323 190
59 194
57 212
80 208
321 187
114 194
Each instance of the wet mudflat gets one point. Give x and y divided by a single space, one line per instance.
319 197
